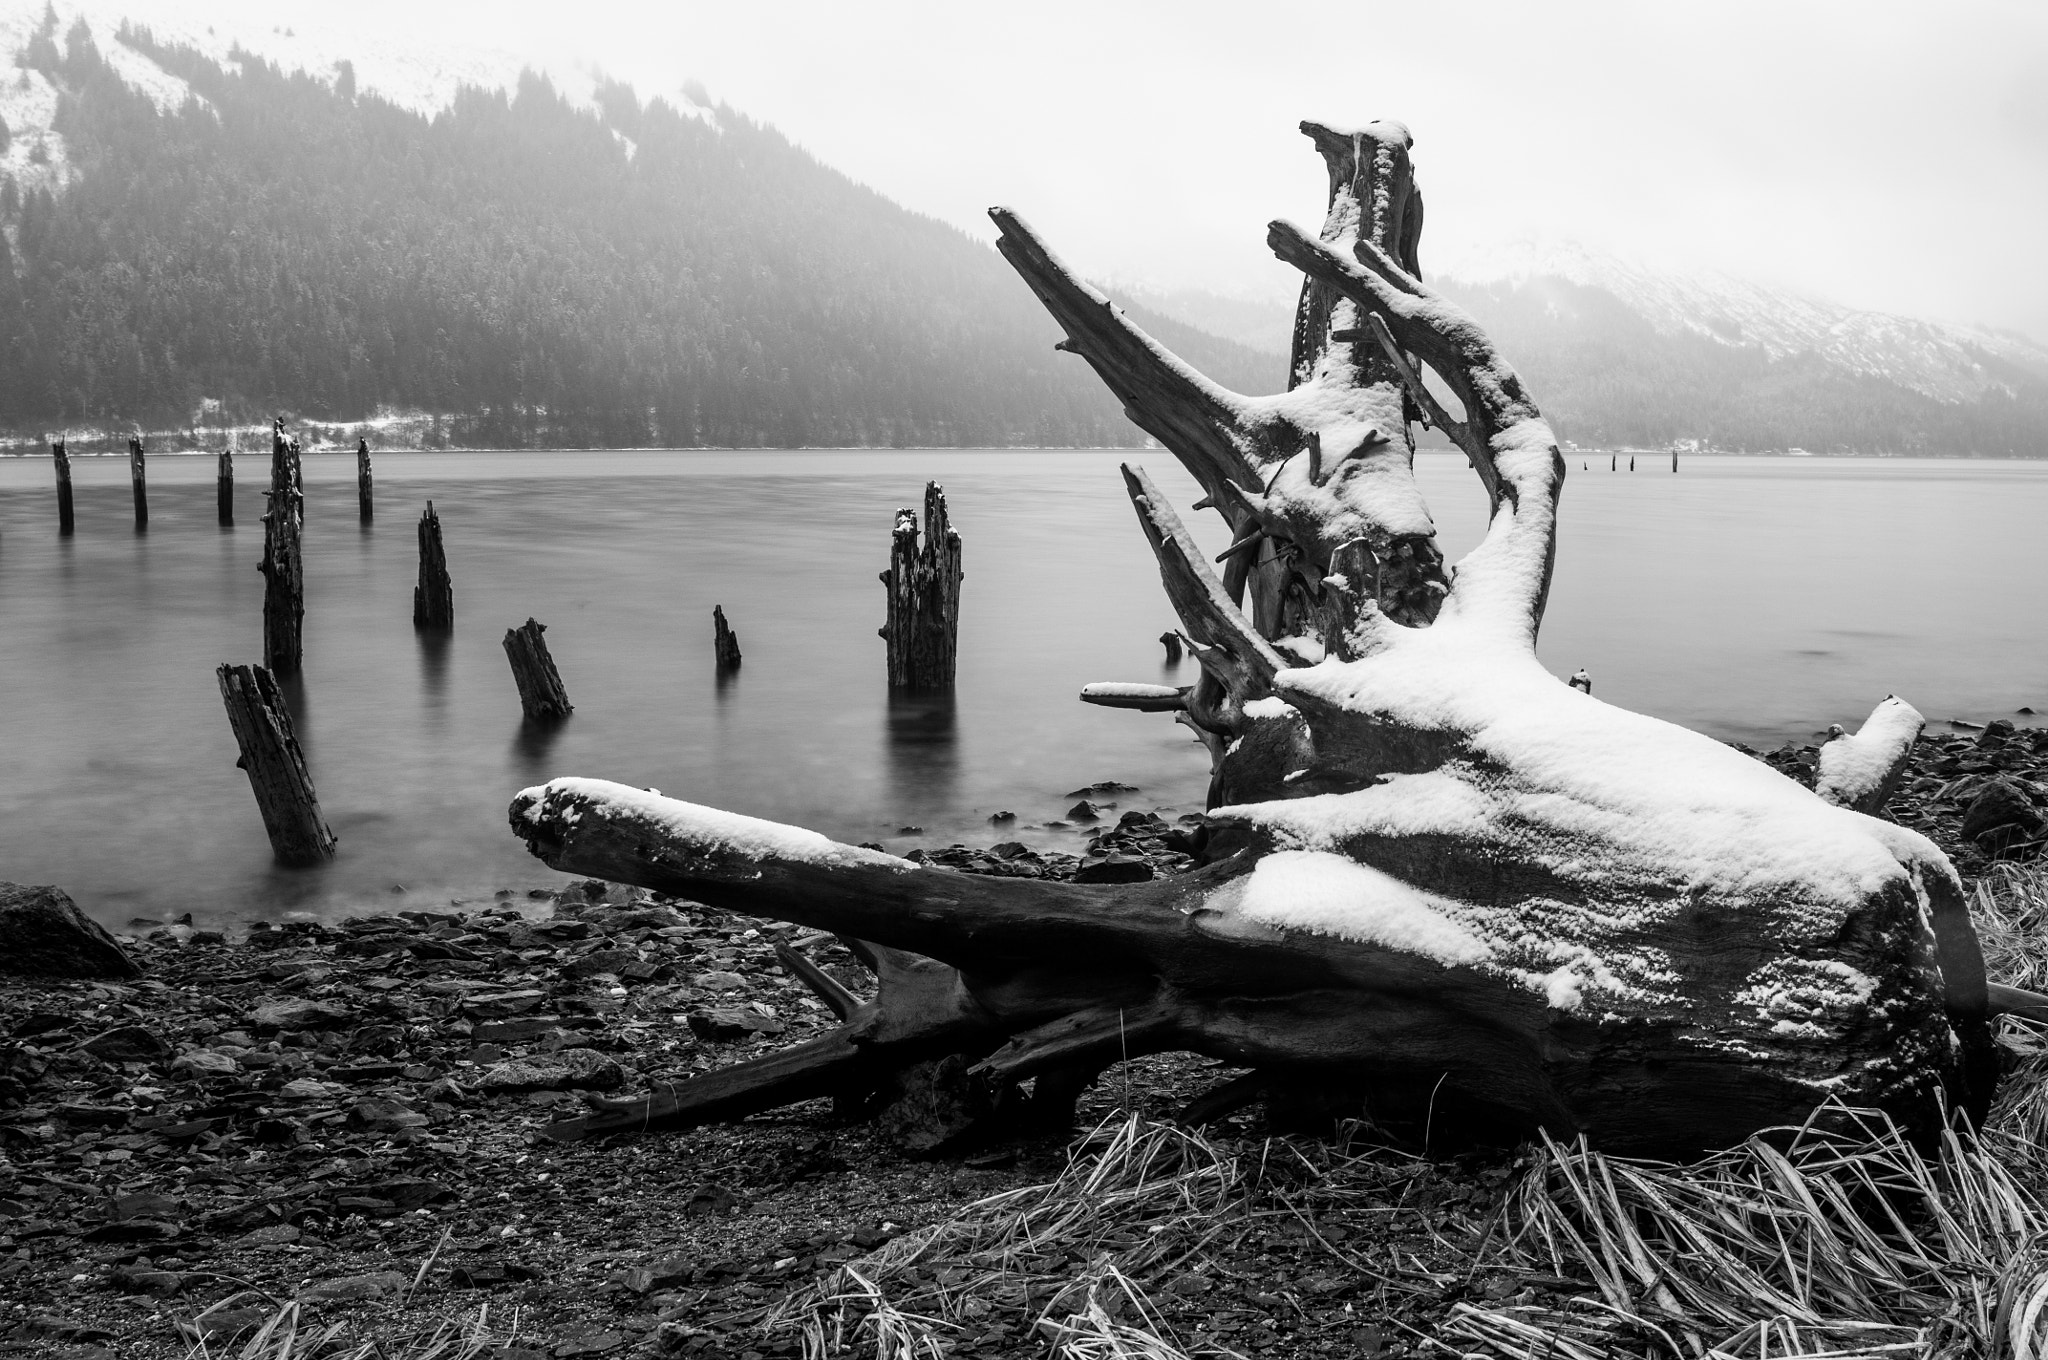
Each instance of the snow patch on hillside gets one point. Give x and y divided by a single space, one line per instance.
1932 358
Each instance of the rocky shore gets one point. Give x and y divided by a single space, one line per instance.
351 1116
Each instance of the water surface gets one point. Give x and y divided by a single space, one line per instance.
1757 599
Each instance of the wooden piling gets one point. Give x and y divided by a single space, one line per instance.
724 640
1170 640
433 599
224 489
364 509
299 835
137 478
63 462
923 582
1674 460
283 567
541 695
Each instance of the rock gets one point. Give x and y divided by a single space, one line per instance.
570 1069
223 1324
588 1341
498 1005
408 1193
1106 786
719 981
1996 733
515 1031
93 1116
732 1022
129 1043
1001 818
299 1014
203 1062
2000 815
305 1088
711 1198
275 1235
935 1105
1084 811
600 961
352 1288
377 1115
1114 868
48 936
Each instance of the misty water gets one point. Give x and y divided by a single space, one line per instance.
1753 599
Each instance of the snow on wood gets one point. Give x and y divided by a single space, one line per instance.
1862 771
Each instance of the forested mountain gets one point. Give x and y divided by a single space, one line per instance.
536 271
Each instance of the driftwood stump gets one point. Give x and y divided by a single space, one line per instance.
1170 640
923 581
724 641
433 599
283 568
365 509
299 835
1438 888
138 479
541 696
63 462
224 489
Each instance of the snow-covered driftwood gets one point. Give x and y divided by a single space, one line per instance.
1440 886
1861 772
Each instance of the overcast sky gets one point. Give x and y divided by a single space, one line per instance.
1885 155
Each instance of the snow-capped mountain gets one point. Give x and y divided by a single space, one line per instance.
1941 361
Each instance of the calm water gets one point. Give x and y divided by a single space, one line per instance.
1751 598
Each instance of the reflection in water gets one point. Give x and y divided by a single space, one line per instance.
434 677
728 679
924 752
296 700
534 739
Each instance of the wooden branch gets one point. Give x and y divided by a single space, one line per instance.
1861 772
1142 698
828 988
1205 425
1224 641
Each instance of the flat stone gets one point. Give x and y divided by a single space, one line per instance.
352 1288
591 1342
128 1043
306 1088
1114 869
719 981
275 1235
48 936
498 1005
300 1014
204 1062
732 1022
570 1069
600 961
384 1116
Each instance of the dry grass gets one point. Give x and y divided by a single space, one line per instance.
1835 1240
282 1336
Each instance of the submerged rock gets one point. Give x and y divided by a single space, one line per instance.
48 936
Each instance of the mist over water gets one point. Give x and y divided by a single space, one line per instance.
1753 599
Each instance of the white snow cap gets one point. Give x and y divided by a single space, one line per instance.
1328 894
1854 766
713 829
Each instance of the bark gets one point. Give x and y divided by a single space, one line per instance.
433 599
63 461
283 565
923 583
139 481
299 835
541 695
1439 886
224 489
725 643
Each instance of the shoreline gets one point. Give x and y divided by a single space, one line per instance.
349 1114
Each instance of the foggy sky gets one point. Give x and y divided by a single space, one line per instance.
1879 154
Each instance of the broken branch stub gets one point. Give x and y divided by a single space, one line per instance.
923 581
1440 888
